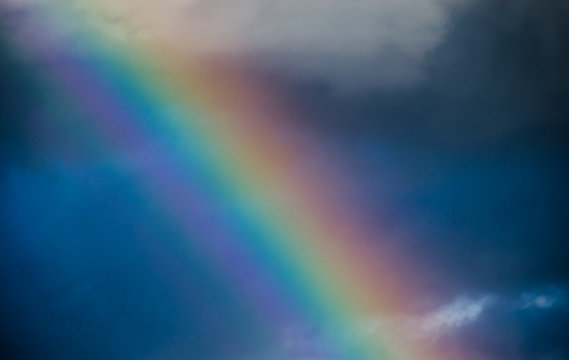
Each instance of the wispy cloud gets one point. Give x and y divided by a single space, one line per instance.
544 300
454 315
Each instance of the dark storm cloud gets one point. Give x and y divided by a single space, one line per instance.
501 73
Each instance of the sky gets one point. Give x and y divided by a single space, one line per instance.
447 119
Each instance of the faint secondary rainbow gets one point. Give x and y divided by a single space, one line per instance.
224 164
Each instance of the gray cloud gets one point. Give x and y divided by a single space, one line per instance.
361 44
345 43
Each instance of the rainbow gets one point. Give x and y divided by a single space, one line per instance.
224 162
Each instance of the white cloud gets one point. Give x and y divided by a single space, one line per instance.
345 42
454 315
